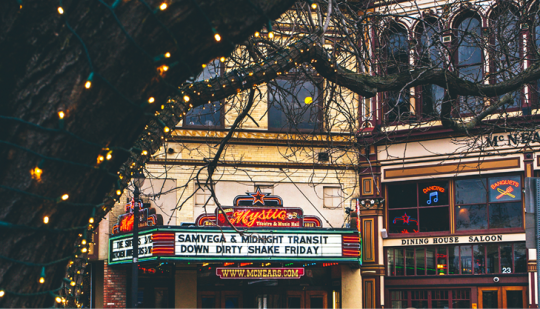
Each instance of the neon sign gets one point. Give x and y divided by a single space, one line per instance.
259 273
433 188
506 189
147 217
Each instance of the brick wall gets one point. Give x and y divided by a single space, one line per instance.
114 287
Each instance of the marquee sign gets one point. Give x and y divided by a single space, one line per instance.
189 244
259 273
147 217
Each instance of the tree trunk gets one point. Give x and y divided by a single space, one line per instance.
44 68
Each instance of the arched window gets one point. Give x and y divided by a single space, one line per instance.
469 59
430 54
535 50
396 59
504 49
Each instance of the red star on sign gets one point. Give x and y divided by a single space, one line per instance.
258 196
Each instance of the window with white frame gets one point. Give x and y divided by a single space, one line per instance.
332 197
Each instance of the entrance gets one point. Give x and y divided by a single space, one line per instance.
502 297
307 299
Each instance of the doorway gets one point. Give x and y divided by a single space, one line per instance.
307 299
502 297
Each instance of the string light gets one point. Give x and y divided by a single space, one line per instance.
2 293
91 220
118 192
46 219
58 299
271 35
61 114
257 34
203 65
72 283
151 100
100 159
163 6
222 59
314 6
217 37
65 197
36 173
83 250
186 98
308 100
83 242
166 129
144 152
88 83
109 155
167 55
42 277
60 10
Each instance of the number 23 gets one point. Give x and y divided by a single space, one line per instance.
506 270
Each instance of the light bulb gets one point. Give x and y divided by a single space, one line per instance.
36 173
186 98
217 37
65 197
58 299
91 220
72 283
151 100
109 155
257 34
60 10
83 250
41 280
163 6
83 242
203 65
88 84
144 153
167 55
2 293
222 59
271 35
61 114
46 219
314 6
118 192
308 100
166 129
164 68
100 159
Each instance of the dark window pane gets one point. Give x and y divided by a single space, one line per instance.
479 259
490 299
461 304
434 219
471 191
403 221
419 299
506 259
466 260
391 262
316 302
289 107
432 98
453 260
505 215
469 51
231 302
514 299
293 302
409 261
208 302
433 193
208 114
471 73
442 267
402 195
520 257
431 255
492 259
398 46
420 263
507 188
399 262
471 217
398 105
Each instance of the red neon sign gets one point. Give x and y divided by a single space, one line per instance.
259 273
262 217
433 188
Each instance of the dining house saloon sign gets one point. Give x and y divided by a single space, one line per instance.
283 234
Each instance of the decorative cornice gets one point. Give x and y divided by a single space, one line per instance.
255 164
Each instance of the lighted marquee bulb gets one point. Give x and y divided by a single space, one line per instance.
217 37
151 100
46 219
163 6
60 10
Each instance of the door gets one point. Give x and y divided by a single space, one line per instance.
307 299
502 297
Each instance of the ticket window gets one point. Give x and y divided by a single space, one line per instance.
502 297
307 299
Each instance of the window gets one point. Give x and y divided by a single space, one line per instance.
396 59
505 48
536 51
209 114
332 197
430 53
479 259
418 207
293 103
488 203
469 59
425 298
202 196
